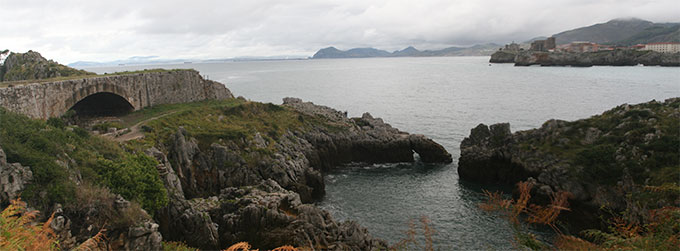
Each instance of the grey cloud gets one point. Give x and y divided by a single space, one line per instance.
71 30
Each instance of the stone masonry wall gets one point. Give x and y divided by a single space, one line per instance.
52 99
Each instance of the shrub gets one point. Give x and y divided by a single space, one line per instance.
56 122
177 246
135 178
55 153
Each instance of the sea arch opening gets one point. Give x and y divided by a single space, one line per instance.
102 104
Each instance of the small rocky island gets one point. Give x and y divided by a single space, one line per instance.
625 159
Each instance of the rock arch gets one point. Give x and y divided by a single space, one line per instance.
102 104
100 99
52 99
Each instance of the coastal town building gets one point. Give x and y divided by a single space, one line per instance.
512 47
669 47
581 46
543 45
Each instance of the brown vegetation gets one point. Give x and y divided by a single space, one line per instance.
661 231
411 239
244 246
19 231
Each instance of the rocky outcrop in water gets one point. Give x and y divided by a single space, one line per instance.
256 190
503 56
587 59
600 160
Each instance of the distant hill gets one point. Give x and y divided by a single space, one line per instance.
622 32
477 50
654 34
31 65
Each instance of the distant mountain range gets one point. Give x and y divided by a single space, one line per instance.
477 50
625 32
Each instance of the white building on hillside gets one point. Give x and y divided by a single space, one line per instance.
671 47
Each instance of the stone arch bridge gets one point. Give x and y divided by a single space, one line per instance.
110 95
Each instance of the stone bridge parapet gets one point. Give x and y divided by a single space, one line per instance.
53 99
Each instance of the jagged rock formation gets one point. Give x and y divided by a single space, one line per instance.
598 160
587 59
219 195
127 227
31 65
139 90
13 178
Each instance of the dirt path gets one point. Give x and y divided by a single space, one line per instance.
135 130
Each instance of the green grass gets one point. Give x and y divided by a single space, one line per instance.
160 110
57 154
221 121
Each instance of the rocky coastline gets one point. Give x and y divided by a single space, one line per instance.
215 192
586 59
256 187
604 162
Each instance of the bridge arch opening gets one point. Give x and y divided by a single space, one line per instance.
102 104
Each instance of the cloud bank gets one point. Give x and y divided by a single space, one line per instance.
70 30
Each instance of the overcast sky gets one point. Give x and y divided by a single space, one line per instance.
94 30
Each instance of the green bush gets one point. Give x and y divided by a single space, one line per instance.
54 153
56 122
135 178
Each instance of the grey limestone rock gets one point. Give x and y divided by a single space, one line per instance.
13 179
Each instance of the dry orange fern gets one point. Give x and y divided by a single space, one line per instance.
285 248
97 242
19 232
244 246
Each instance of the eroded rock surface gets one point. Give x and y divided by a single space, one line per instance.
598 160
13 179
256 190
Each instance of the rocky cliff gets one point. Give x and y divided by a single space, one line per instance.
607 161
255 188
586 59
31 65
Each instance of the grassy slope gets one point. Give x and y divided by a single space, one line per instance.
228 120
57 154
